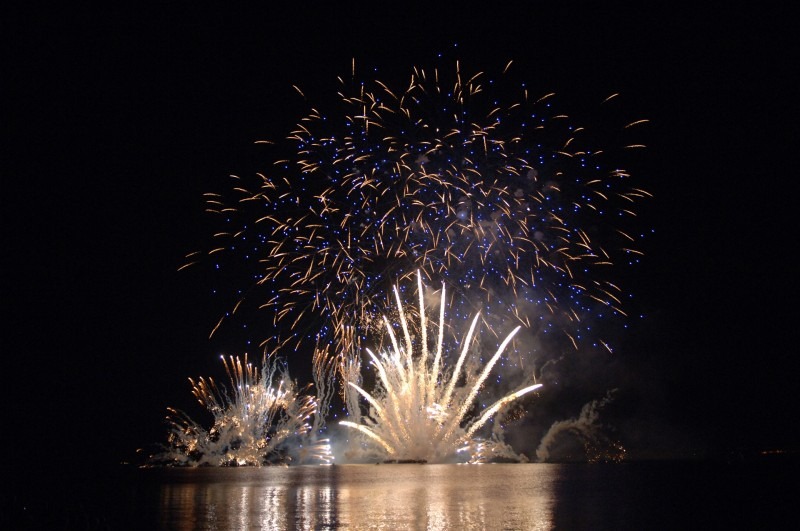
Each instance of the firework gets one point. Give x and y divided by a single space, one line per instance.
483 187
263 419
419 407
586 430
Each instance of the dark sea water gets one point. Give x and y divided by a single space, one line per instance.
654 495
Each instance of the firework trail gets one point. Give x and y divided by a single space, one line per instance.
256 422
488 190
420 403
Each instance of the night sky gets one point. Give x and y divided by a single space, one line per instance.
118 119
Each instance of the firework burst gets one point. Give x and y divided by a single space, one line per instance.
499 199
263 419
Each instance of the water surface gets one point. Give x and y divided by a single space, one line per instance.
661 495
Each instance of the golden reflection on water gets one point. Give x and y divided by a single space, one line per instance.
398 496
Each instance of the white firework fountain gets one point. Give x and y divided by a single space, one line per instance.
422 410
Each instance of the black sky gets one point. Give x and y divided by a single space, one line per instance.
119 118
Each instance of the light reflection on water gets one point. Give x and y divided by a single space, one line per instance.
758 494
401 496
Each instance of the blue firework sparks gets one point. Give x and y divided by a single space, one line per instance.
499 198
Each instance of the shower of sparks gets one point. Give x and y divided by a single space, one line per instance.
255 423
488 190
419 407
